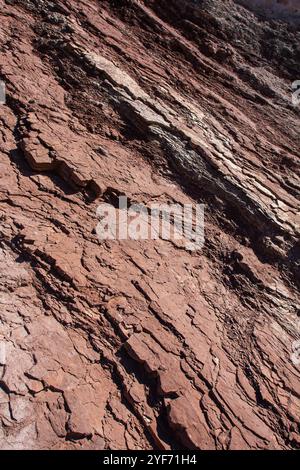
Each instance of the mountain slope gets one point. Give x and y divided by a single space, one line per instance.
144 344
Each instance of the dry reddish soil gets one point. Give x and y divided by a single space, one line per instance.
145 344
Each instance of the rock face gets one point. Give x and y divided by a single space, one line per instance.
142 344
286 10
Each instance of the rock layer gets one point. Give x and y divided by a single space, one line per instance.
144 344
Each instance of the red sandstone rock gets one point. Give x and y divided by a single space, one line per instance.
144 344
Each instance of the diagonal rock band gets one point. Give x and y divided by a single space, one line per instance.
2 92
296 93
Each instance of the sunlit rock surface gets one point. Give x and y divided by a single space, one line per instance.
125 344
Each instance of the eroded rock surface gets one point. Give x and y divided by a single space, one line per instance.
144 344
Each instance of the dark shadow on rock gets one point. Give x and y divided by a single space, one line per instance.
17 157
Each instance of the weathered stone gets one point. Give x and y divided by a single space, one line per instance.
143 344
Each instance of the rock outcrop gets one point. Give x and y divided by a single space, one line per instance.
143 344
287 10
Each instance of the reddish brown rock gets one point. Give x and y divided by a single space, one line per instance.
142 344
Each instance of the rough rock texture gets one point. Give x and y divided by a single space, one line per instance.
144 344
287 10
